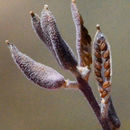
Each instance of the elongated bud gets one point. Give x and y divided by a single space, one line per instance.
63 53
83 39
42 75
103 69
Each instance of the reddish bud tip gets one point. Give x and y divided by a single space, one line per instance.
32 13
46 7
98 27
7 42
74 1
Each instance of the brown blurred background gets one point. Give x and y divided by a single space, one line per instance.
24 106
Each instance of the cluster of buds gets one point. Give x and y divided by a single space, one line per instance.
46 77
46 29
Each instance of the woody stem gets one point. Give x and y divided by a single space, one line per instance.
87 91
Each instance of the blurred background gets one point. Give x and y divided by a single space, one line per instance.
24 106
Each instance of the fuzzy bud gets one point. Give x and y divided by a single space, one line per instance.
42 75
63 52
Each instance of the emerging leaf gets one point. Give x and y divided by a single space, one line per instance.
83 39
40 74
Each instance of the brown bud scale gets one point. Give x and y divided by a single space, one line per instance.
107 73
97 73
103 46
98 65
106 84
100 80
99 60
97 54
104 94
106 54
101 90
107 64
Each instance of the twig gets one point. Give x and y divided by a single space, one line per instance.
46 77
87 91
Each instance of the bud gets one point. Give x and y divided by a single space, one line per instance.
42 75
42 34
63 52
103 70
83 39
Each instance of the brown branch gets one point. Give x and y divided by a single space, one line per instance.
87 91
110 123
113 116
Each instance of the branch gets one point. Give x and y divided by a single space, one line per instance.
115 122
46 28
87 91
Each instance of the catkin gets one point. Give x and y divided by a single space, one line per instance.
102 68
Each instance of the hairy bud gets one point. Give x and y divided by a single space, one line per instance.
63 52
40 74
42 34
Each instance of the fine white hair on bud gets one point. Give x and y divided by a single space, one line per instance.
42 75
83 39
42 34
63 52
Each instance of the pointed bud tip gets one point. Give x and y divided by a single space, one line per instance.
46 7
98 27
32 13
7 42
74 1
